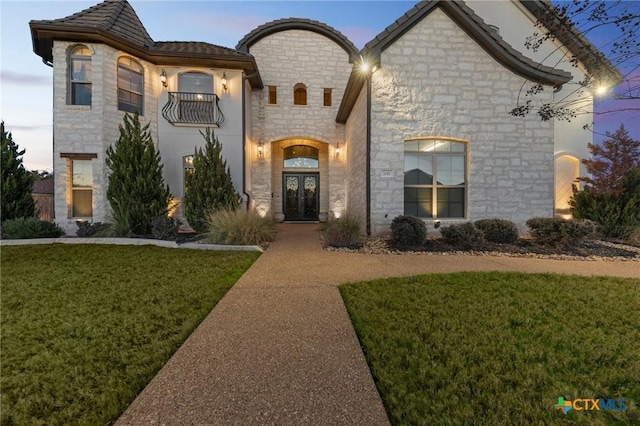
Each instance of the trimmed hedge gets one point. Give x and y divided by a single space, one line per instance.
408 231
552 230
30 227
499 231
464 235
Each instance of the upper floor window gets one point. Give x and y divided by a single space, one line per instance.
130 85
326 97
195 82
302 156
273 95
80 76
435 178
299 94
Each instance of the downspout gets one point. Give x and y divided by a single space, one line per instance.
368 196
244 142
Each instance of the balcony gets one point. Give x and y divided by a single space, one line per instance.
193 108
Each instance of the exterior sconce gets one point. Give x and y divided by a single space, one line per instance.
163 78
338 150
225 84
260 150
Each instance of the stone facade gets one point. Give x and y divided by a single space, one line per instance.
356 148
91 129
286 58
436 81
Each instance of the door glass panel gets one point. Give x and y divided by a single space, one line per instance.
310 197
291 194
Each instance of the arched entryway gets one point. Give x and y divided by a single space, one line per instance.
567 169
300 175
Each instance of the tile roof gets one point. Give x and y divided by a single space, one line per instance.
114 22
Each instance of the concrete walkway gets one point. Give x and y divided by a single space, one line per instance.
279 348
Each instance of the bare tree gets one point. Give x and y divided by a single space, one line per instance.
616 61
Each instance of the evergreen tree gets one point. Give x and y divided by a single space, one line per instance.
137 192
209 188
17 182
611 161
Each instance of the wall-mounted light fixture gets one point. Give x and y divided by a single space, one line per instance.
225 83
260 150
163 78
338 150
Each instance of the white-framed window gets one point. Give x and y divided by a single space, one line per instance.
300 94
80 76
435 178
195 82
81 188
130 85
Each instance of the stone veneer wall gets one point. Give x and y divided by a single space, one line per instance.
436 81
91 129
284 59
356 150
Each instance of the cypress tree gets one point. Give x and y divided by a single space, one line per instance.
137 192
17 182
209 188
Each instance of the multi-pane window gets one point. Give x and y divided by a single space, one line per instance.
273 95
195 82
435 178
196 97
130 85
80 76
300 94
327 97
81 188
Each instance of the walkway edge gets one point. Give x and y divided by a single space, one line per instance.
128 242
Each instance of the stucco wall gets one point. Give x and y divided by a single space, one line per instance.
91 129
436 81
356 150
284 59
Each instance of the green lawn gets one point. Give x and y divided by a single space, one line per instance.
500 348
86 327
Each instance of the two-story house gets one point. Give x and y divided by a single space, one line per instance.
415 123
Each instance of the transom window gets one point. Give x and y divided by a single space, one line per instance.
300 94
80 76
435 178
301 156
130 85
81 188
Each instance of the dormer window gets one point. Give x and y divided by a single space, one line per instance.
80 76
130 85
300 94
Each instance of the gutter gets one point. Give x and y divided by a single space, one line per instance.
244 142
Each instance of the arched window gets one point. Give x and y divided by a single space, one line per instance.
301 156
80 76
435 178
130 85
299 94
195 82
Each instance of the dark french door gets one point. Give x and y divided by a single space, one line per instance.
300 196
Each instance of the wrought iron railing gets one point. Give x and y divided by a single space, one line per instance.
193 108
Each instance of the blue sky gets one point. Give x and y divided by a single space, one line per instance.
26 83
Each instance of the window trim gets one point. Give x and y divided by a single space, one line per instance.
71 82
434 186
142 83
300 90
327 91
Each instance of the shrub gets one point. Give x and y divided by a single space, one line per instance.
165 228
464 235
88 229
136 192
616 214
30 227
344 232
498 230
634 237
16 182
209 188
548 230
408 231
240 227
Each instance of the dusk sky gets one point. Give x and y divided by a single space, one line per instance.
26 83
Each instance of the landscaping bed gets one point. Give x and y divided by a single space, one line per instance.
496 348
523 247
86 327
